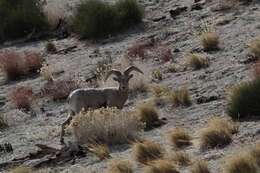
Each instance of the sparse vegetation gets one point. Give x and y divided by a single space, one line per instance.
21 97
180 158
147 151
16 65
159 90
20 18
254 47
210 40
161 166
46 72
171 68
240 163
105 125
138 85
255 152
179 97
50 47
244 100
98 19
197 62
100 150
218 133
59 89
148 114
200 166
179 138
120 166
157 74
164 53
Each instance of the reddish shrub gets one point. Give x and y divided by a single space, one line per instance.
164 53
21 97
59 89
15 65
9 62
139 49
33 61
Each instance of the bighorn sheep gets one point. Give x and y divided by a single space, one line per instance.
93 98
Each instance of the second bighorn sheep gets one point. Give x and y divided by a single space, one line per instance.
93 98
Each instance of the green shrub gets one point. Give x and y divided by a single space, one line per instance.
20 17
245 100
129 11
98 19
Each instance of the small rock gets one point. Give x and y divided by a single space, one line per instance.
196 6
157 19
177 11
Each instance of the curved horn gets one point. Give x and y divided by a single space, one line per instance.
132 68
113 71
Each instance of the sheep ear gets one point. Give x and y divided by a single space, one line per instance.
116 79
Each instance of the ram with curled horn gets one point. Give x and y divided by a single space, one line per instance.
94 98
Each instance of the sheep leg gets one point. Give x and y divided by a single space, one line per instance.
63 125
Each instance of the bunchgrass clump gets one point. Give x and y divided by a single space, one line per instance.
179 138
97 19
120 166
21 97
179 97
210 40
241 163
254 48
106 126
100 150
148 114
146 151
3 123
218 133
200 166
161 166
20 18
180 158
197 62
244 100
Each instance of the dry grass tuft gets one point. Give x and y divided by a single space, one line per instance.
59 89
106 126
256 70
218 133
21 97
200 166
159 90
179 97
147 151
120 166
161 166
50 47
179 138
157 74
100 150
147 113
138 85
197 62
180 158
16 65
255 152
240 163
254 47
22 169
210 40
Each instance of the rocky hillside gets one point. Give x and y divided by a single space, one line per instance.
170 24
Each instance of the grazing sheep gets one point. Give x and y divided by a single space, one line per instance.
93 98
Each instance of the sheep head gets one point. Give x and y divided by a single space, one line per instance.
123 78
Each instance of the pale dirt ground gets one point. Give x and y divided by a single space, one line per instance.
226 69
